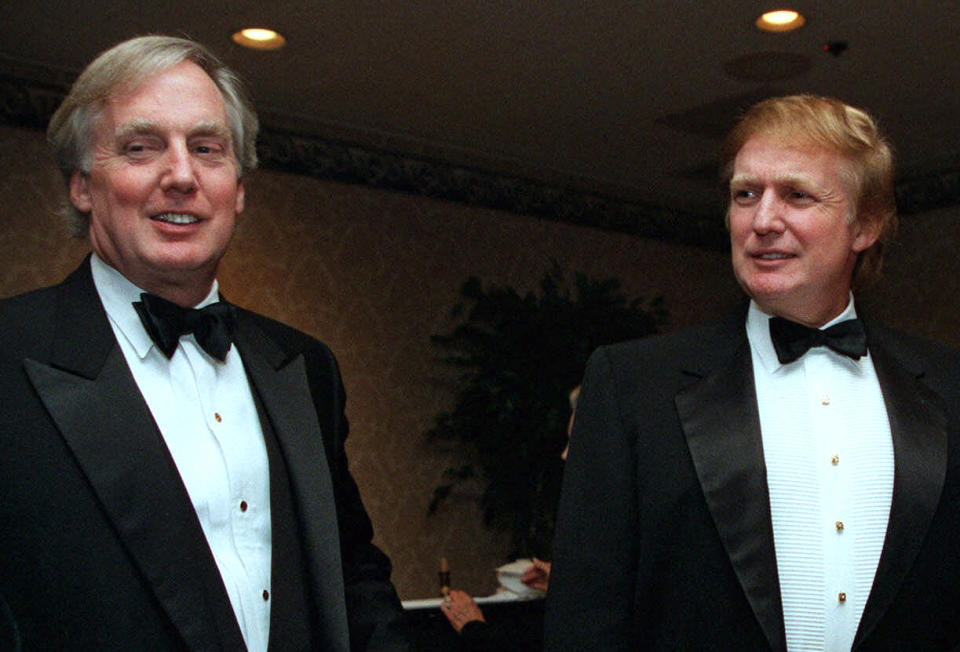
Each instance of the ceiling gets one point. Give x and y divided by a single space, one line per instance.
621 100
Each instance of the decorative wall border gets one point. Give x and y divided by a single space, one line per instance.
30 103
350 163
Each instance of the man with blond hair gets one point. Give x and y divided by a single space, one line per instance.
785 479
173 473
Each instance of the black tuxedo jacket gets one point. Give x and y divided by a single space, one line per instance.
100 548
664 538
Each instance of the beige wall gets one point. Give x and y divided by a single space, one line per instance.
375 273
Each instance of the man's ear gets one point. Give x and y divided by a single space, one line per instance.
80 191
238 208
867 232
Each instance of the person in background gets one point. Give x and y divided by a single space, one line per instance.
784 479
173 473
462 611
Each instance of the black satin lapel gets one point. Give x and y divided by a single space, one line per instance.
918 425
111 432
286 397
722 426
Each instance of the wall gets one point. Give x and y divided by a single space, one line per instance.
375 273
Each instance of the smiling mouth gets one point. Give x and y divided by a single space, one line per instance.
773 256
176 218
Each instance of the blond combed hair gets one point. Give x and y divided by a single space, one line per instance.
828 123
121 69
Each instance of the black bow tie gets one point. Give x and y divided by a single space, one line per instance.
791 340
165 321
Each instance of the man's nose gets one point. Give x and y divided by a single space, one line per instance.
180 173
768 216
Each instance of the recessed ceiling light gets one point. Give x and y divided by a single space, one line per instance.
781 20
259 38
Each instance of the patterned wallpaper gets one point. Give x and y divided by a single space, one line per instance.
374 273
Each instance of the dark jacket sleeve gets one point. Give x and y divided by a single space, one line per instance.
590 603
9 635
476 636
374 614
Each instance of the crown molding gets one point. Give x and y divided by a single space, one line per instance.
29 101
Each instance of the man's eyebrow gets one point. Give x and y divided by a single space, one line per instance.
780 180
135 128
210 128
741 179
140 127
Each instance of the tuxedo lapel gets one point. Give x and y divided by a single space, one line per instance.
719 416
283 387
918 426
94 401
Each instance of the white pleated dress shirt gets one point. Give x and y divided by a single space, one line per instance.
829 458
208 419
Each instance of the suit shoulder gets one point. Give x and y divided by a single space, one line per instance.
290 339
914 344
669 348
26 321
26 304
939 363
913 348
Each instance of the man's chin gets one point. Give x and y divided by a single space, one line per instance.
184 257
772 299
184 269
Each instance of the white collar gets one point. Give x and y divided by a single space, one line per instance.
118 293
758 332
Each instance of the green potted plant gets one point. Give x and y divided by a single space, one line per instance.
518 357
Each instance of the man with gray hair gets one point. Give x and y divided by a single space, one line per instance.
173 473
